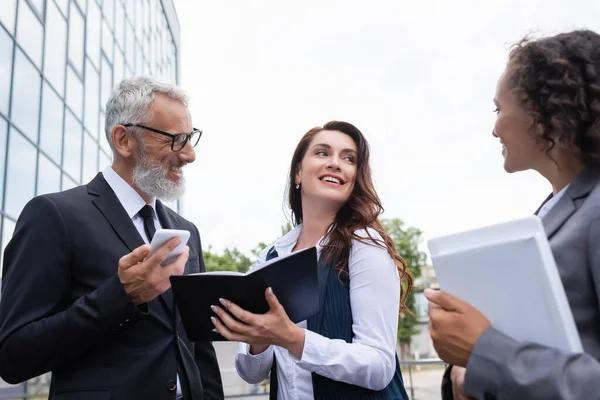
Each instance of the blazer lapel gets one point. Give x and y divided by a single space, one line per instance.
109 205
579 188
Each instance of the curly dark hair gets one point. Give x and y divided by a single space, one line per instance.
361 211
557 79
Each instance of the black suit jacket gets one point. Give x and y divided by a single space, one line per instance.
63 308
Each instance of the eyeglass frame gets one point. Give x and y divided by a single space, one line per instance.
173 136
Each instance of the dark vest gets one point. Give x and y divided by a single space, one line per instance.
334 321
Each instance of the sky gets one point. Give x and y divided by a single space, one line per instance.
416 77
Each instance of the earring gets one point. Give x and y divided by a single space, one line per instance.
297 186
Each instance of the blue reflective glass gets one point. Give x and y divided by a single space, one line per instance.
6 47
30 33
72 147
26 96
48 176
20 177
52 124
55 48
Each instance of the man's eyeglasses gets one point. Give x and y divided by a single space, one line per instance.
178 140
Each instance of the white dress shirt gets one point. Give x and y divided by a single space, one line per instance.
552 202
132 202
369 361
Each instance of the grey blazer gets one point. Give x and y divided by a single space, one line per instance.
502 368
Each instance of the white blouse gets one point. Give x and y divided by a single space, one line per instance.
369 361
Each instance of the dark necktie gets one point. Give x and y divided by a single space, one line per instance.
147 214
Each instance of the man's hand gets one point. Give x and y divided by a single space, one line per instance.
454 326
457 376
143 280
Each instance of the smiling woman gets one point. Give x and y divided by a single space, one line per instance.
348 350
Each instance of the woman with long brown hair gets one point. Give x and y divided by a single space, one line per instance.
351 351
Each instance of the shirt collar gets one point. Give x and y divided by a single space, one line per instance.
131 201
552 202
286 243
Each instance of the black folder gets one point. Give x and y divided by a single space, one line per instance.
293 278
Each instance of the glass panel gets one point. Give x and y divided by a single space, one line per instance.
55 48
90 157
138 59
67 183
20 177
92 97
104 161
130 10
129 43
83 5
30 33
72 147
76 36
102 136
6 47
48 176
140 18
106 84
108 9
120 25
64 6
3 133
52 124
107 41
8 9
119 67
25 96
74 93
39 5
94 33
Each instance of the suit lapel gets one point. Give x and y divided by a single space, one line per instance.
109 205
579 188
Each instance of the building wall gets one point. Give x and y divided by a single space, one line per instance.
60 61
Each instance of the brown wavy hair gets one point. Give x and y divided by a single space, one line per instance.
360 211
557 79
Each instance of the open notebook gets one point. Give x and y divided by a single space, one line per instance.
293 278
507 272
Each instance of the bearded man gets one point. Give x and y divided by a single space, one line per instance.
80 297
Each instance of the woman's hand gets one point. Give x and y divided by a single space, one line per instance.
259 330
457 376
454 326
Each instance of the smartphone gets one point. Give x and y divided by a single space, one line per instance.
162 236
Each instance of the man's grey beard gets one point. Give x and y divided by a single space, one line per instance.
150 176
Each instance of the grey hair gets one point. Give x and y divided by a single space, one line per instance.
131 99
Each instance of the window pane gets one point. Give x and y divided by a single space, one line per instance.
6 47
83 5
63 4
120 25
107 41
74 93
72 147
30 33
76 35
39 5
8 9
129 49
130 10
138 59
55 48
92 97
25 96
106 84
3 133
102 139
48 176
52 124
140 17
67 183
119 67
104 161
90 158
94 32
108 8
20 179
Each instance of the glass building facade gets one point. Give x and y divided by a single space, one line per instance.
60 60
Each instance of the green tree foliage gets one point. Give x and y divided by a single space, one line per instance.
407 241
229 260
